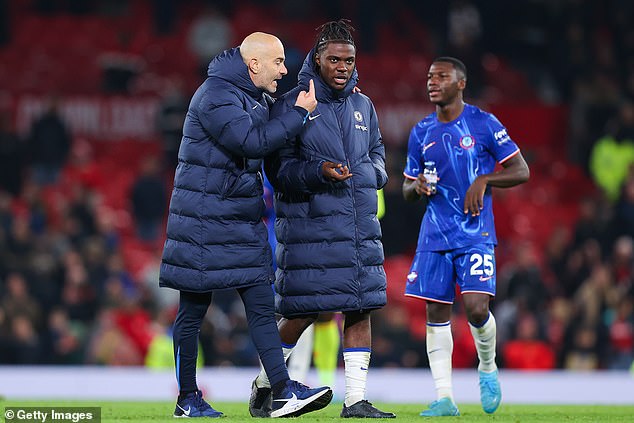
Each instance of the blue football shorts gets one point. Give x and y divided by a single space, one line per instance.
434 274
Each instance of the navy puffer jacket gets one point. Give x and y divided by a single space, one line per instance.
215 235
329 252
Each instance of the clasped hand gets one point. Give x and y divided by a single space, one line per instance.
335 172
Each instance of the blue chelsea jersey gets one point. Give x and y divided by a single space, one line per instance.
460 150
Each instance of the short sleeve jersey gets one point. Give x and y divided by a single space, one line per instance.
460 150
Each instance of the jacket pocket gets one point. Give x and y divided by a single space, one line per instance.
230 183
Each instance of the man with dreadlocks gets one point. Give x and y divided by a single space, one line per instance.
329 252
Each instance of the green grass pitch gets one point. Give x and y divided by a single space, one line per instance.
121 411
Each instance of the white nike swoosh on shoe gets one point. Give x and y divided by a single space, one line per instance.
313 117
293 398
186 412
296 405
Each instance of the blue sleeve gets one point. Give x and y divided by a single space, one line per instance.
499 143
377 149
223 116
413 167
287 171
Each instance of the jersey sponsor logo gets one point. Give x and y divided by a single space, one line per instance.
485 278
467 141
313 117
358 116
501 136
361 127
427 146
411 278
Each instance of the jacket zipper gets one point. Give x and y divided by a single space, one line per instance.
354 208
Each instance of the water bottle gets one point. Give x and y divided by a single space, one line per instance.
431 176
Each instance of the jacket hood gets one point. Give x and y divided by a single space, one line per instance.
323 91
229 66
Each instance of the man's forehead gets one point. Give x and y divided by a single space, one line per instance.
441 67
339 49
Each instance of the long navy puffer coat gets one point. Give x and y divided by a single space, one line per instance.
329 252
215 235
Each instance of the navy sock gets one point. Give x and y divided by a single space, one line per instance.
277 389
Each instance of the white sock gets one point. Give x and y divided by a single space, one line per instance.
299 362
484 338
439 351
356 361
262 380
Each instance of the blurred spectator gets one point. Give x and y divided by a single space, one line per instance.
83 168
209 34
18 302
622 335
49 145
613 154
134 322
149 200
624 210
622 261
556 252
79 296
108 345
44 275
20 243
170 120
584 352
528 350
121 66
522 281
64 339
11 156
393 344
557 318
25 344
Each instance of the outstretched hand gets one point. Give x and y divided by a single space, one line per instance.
307 100
335 172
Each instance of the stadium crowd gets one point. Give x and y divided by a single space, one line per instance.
69 294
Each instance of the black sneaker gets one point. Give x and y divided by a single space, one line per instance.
365 409
260 401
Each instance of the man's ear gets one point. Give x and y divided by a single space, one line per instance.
254 65
462 84
317 60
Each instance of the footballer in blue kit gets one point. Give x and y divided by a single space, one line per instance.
452 154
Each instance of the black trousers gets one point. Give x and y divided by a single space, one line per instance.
258 305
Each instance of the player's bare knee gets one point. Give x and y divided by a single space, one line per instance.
478 314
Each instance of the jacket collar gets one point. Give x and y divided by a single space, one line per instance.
229 66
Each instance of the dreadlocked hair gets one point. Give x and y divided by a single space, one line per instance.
334 31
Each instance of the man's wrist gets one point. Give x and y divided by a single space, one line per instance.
302 112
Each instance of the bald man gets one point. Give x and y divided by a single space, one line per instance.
216 238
